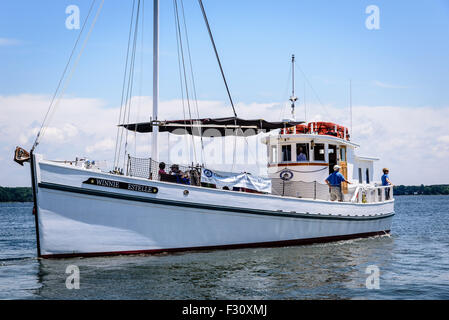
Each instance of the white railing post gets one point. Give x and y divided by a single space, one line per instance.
354 196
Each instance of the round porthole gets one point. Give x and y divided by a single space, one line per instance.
186 192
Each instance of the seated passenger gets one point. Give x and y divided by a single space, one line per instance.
174 170
181 177
161 169
301 155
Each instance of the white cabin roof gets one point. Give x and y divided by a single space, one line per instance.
364 158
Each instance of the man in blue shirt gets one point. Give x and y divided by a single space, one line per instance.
386 182
334 182
301 156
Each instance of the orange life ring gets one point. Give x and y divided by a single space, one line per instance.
301 128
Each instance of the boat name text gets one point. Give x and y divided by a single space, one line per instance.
121 185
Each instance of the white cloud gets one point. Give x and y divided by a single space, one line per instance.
444 139
104 145
412 142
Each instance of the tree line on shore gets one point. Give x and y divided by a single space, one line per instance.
441 189
25 194
16 194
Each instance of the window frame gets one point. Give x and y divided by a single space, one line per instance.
315 147
306 148
286 147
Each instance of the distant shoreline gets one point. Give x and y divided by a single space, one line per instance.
21 194
24 194
432 190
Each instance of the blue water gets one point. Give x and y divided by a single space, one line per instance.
413 264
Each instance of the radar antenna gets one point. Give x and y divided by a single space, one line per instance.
293 98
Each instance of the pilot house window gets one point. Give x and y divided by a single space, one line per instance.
286 153
302 152
318 152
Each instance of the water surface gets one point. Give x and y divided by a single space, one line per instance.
413 264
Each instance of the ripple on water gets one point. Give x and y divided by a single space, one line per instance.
413 263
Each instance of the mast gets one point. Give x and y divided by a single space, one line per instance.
154 151
293 98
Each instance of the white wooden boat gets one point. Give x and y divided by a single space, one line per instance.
81 210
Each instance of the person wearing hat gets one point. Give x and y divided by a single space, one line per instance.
334 182
181 177
174 170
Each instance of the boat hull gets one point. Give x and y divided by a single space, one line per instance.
75 218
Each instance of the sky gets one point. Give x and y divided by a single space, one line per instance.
399 74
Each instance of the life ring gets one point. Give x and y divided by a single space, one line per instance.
286 175
208 173
301 128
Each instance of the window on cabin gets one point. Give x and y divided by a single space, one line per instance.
318 152
286 153
274 154
360 176
367 175
302 152
342 154
332 151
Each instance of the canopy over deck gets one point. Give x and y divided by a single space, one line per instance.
209 126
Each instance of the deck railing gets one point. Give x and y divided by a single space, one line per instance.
148 168
371 194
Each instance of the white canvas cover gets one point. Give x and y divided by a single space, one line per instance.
239 180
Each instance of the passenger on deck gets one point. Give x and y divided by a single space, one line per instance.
334 182
301 155
386 182
162 169
181 177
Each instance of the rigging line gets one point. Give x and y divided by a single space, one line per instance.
192 76
69 78
36 142
120 129
185 74
141 76
178 25
313 90
131 78
180 63
127 106
179 66
128 83
216 54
